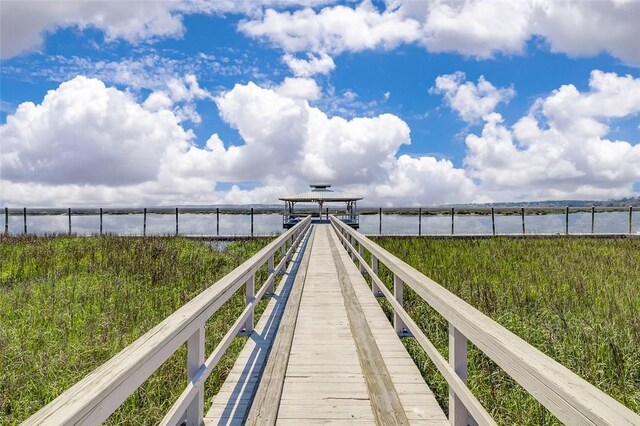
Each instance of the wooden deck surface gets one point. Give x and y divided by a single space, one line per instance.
346 364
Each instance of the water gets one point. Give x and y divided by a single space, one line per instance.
271 224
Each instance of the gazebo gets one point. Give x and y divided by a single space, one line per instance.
321 194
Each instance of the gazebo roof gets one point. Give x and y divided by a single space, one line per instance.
321 192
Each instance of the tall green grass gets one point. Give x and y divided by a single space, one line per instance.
69 304
576 300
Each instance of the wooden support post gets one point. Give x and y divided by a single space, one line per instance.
420 221
250 292
144 222
353 249
24 215
100 220
493 220
217 221
566 221
69 214
398 293
176 221
380 221
327 213
453 215
630 218
593 218
458 414
271 268
252 221
361 253
195 359
374 287
522 214
6 220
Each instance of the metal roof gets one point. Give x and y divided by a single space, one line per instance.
321 193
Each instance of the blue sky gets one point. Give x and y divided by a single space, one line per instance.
407 103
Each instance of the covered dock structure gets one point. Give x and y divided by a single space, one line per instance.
321 194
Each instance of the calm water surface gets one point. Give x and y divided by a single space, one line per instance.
271 224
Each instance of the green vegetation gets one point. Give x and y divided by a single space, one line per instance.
576 300
68 304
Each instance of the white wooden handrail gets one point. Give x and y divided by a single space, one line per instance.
94 398
570 398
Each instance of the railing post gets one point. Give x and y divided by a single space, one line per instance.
630 218
374 286
69 212
380 221
419 221
100 220
176 221
6 220
24 215
250 292
144 223
271 267
217 221
195 359
522 214
593 218
453 215
566 221
353 249
252 221
458 414
398 293
493 220
361 253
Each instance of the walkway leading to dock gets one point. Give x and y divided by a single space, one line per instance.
343 362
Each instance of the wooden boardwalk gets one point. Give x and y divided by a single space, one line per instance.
335 359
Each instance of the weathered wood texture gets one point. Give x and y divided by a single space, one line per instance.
231 404
570 398
415 397
264 409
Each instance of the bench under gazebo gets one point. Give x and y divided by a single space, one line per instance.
320 194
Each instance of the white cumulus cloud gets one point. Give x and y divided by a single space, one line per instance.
321 64
477 28
471 101
24 23
89 144
333 29
561 149
86 133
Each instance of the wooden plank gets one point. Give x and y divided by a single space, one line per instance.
324 381
232 403
264 409
385 402
417 399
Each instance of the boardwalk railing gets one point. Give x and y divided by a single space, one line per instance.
570 398
94 398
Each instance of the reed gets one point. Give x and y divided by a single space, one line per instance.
576 300
68 304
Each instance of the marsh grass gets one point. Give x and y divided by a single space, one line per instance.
68 304
576 300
